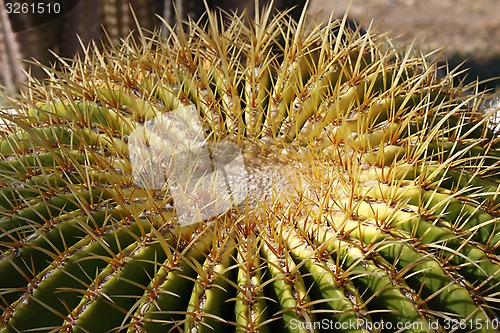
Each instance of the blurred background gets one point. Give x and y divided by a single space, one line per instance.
466 30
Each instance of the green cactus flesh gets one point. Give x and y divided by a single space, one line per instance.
372 189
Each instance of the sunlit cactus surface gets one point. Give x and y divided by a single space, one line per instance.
261 175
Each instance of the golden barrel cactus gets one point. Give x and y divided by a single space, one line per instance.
259 176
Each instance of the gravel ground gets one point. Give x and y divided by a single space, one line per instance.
466 29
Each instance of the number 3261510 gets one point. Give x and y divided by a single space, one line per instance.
33 8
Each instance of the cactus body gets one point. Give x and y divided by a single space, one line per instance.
370 191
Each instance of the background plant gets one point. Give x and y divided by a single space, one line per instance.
88 20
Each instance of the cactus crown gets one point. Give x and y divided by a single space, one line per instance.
365 190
